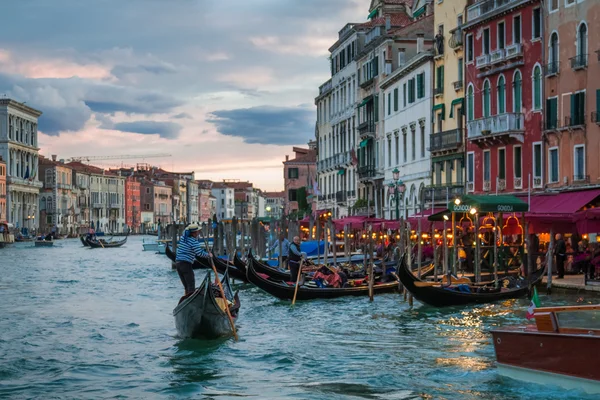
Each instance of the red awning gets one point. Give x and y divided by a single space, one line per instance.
561 203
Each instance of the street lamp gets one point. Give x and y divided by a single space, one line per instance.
398 186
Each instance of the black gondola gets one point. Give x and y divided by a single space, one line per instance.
83 242
240 264
172 256
439 296
101 244
202 315
285 291
264 268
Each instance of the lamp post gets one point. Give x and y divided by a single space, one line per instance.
399 188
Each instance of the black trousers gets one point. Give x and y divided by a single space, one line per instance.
186 274
294 267
560 266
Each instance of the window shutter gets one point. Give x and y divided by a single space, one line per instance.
376 66
573 108
549 114
581 108
389 99
404 93
442 77
598 102
396 99
376 104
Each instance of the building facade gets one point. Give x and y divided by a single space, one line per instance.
192 202
274 204
447 144
299 174
504 99
204 207
57 199
225 200
19 149
572 95
2 190
133 204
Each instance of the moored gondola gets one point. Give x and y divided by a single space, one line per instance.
462 294
203 314
240 264
99 243
264 268
285 289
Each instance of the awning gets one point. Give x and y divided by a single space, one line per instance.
562 203
448 157
366 100
341 171
419 12
372 14
488 203
364 143
588 221
441 107
459 101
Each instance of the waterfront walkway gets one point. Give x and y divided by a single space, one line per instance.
573 282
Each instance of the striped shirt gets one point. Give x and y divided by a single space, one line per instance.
188 249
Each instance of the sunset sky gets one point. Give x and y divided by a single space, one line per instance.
227 87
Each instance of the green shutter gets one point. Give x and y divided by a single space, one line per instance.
404 89
376 66
573 109
581 108
598 103
549 124
442 77
390 103
396 99
376 107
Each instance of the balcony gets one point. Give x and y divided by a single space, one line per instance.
339 160
341 196
458 85
581 178
438 46
25 182
514 50
442 192
580 61
552 69
367 171
367 128
596 117
438 91
114 206
575 121
448 140
351 193
63 186
497 56
97 205
496 125
456 40
482 61
367 83
487 8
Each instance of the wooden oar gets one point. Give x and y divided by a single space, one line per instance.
298 281
212 263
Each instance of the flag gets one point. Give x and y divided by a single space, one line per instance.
26 173
354 158
535 302
315 188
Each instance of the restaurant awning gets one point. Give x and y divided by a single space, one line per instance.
441 107
488 203
562 203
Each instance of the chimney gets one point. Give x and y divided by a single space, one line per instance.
420 43
388 23
53 157
287 158
401 57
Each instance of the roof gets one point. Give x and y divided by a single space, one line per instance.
303 156
273 195
20 106
46 161
81 167
239 185
396 19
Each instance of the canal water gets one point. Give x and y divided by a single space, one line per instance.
82 323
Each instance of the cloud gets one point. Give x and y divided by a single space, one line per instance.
313 46
182 115
266 124
166 130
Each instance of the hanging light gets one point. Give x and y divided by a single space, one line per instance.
473 211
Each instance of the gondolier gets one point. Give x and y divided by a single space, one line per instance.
295 256
187 251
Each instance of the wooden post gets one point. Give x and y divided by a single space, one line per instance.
530 254
454 246
318 242
477 250
333 235
496 251
371 269
173 238
346 243
419 248
550 261
280 245
434 247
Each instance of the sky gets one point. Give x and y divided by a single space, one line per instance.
225 87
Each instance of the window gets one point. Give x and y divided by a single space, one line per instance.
439 78
411 90
404 93
553 165
438 172
413 143
459 20
449 168
292 195
501 35
582 42
553 56
389 105
537 23
501 163
470 48
577 109
470 105
486 41
579 163
537 88
552 113
421 85
486 99
404 149
517 85
389 151
397 149
396 99
537 162
501 95
517 162
293 173
423 141
569 2
471 167
517 29
553 5
460 69
439 122
486 166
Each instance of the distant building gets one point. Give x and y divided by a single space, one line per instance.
2 190
158 199
19 150
274 204
225 200
57 200
193 215
204 200
299 174
133 204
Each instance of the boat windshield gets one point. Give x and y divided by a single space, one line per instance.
584 319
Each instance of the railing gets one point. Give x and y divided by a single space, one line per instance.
338 160
63 186
514 50
497 56
438 46
596 117
446 140
579 61
502 123
441 192
368 82
351 193
97 205
367 171
487 186
458 85
552 68
482 61
501 184
456 40
366 128
581 178
577 120
438 91
340 196
470 187
480 9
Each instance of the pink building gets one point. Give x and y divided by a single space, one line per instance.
2 190
204 207
299 174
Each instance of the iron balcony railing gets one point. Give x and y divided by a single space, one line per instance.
575 120
438 91
341 196
367 82
367 171
446 140
581 178
503 123
351 193
456 40
579 61
458 85
552 68
482 8
337 161
366 128
442 192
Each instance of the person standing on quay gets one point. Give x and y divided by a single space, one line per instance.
285 249
560 252
188 248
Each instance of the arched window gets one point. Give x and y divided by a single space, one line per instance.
537 88
501 95
553 56
470 104
486 99
582 45
517 91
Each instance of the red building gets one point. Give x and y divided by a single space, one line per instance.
133 208
504 81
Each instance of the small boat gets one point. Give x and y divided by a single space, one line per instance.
44 243
83 241
285 289
560 349
203 315
240 264
101 243
439 295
